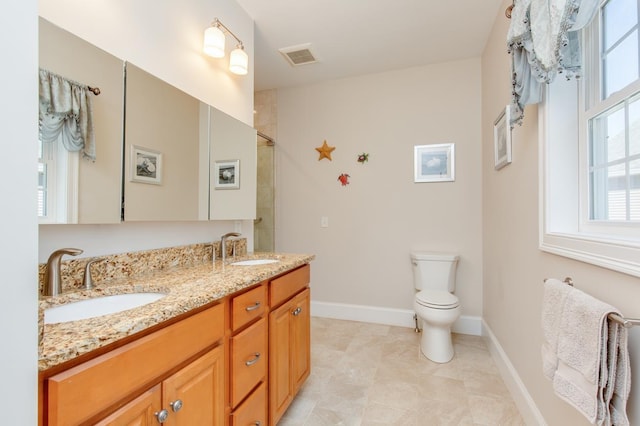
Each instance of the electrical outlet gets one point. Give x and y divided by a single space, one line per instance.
324 222
237 226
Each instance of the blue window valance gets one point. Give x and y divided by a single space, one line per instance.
543 41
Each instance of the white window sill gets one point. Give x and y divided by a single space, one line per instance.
618 255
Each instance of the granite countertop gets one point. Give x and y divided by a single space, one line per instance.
187 288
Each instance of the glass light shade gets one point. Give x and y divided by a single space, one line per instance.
239 61
213 42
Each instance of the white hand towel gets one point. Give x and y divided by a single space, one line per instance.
592 371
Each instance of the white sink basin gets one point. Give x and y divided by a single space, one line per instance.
90 308
254 262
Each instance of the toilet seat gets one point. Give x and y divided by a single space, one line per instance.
437 299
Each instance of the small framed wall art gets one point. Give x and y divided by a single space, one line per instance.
434 163
226 174
502 139
146 165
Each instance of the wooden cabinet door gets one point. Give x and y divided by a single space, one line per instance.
139 412
195 394
280 392
301 336
289 352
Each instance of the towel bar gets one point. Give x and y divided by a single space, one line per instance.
626 322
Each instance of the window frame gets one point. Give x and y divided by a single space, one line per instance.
62 184
565 228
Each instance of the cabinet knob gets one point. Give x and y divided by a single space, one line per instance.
255 359
297 311
161 415
176 405
258 423
252 307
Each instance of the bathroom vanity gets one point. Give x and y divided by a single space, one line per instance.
228 345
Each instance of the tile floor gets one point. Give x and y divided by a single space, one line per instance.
368 374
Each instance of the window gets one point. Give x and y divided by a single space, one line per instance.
612 114
591 154
57 184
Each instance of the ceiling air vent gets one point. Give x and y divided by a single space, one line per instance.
299 55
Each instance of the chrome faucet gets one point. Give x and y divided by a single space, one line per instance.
52 275
223 241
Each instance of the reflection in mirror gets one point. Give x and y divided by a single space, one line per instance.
164 136
232 142
71 189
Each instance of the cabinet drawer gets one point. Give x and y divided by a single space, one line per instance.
110 377
248 360
253 411
248 306
287 285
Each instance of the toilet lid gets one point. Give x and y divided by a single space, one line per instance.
437 299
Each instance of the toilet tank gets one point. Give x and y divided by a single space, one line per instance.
434 271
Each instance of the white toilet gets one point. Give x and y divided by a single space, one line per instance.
434 276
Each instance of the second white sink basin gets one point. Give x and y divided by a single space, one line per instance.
90 308
253 262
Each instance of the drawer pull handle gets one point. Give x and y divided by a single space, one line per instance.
253 307
296 311
258 423
255 359
176 405
161 415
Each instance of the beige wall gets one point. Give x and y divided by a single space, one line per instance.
375 221
514 267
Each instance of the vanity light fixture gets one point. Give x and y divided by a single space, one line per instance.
214 42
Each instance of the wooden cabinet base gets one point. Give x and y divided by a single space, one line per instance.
237 363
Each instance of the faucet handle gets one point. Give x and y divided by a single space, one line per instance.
87 281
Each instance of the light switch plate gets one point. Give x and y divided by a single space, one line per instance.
324 222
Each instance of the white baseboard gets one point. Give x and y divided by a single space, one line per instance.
521 397
388 316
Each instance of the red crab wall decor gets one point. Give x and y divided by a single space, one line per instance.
344 179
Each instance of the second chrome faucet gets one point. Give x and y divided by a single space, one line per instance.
223 241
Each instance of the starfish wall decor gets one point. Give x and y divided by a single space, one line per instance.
325 151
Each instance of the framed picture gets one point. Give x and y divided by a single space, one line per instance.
434 163
502 139
226 174
146 165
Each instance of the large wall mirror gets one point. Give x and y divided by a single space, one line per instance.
234 147
163 139
174 161
83 191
